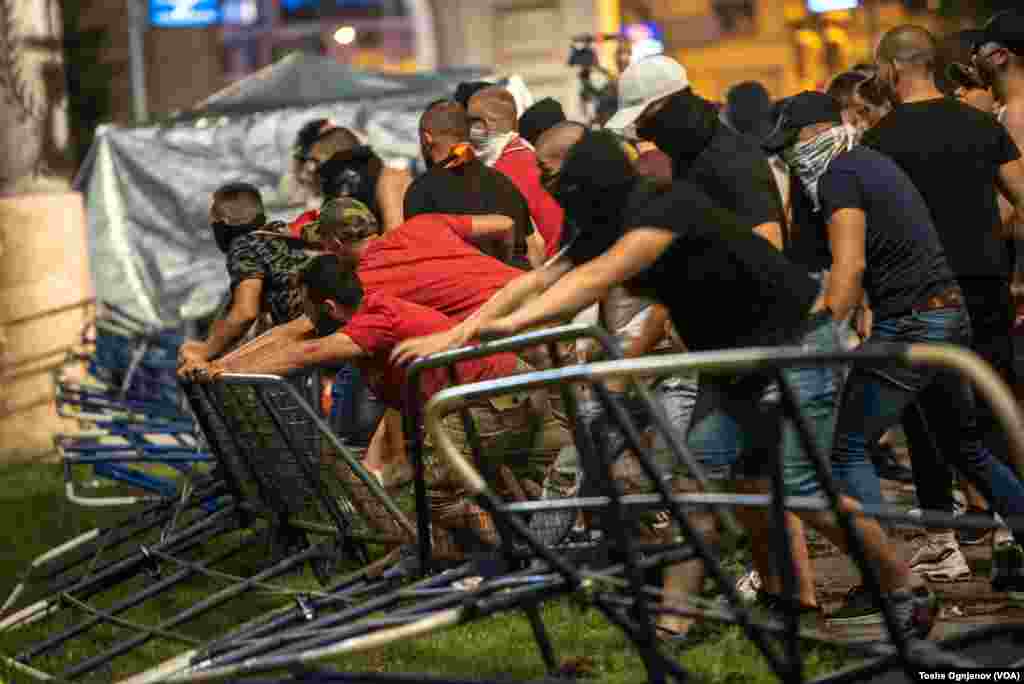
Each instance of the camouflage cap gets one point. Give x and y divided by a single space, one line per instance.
346 219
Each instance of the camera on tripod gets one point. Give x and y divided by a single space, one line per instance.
595 81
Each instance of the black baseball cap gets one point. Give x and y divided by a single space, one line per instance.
793 113
1005 28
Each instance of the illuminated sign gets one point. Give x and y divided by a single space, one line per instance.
184 13
832 5
646 39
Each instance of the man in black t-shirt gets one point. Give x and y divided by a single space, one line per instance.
675 245
458 183
957 156
655 101
884 244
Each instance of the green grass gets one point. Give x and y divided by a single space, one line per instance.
37 518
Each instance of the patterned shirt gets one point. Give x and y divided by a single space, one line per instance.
275 260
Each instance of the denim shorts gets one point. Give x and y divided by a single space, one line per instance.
736 432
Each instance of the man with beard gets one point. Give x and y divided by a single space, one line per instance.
347 168
456 182
675 245
958 158
656 104
259 265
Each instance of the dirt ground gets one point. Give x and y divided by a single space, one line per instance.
964 605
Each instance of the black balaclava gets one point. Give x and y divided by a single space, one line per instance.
682 128
225 234
353 173
594 187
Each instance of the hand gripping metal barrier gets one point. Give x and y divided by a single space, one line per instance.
549 339
302 632
626 601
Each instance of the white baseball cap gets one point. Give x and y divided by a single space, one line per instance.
644 82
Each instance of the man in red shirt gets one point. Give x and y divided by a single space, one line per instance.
429 260
369 327
493 132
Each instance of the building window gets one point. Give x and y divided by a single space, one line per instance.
735 17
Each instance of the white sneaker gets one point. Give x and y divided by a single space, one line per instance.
748 586
940 560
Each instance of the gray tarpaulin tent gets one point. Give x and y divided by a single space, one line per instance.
147 188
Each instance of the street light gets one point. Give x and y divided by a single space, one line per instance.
346 35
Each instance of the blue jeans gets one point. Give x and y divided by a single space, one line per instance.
875 399
736 429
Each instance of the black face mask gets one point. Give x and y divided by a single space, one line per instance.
225 234
353 173
682 128
594 188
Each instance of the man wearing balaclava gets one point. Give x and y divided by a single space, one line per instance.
676 245
656 104
494 133
347 168
260 262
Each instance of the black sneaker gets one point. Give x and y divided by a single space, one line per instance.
1008 567
915 611
974 537
859 608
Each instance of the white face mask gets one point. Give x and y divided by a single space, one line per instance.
488 146
810 159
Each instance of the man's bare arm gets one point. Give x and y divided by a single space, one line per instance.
283 359
1011 184
536 249
1010 211
846 234
490 226
391 189
583 286
245 308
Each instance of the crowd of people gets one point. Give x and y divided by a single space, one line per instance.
884 210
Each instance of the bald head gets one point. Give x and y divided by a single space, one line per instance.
496 108
446 119
909 45
554 144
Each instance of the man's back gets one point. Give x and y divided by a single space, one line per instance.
383 321
952 152
474 188
429 261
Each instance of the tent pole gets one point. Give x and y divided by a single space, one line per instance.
136 26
